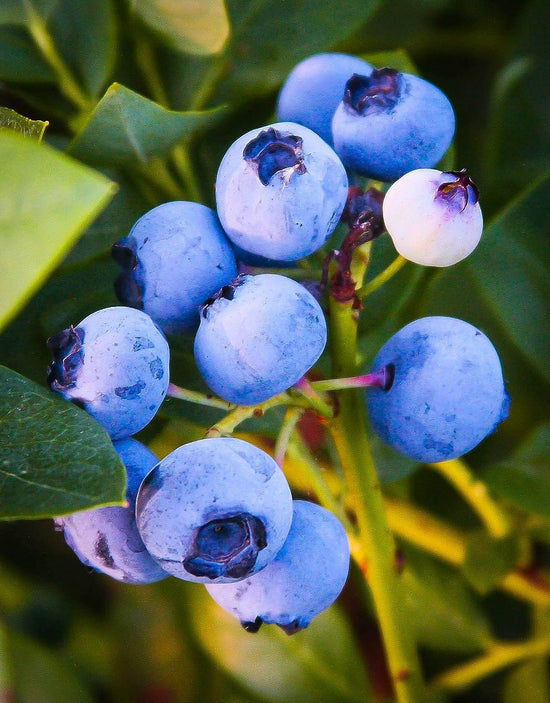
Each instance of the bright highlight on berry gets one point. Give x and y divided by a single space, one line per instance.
433 217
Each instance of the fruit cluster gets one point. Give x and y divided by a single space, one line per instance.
219 510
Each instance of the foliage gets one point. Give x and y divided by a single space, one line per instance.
110 107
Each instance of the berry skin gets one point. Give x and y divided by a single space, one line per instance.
447 392
115 365
258 337
174 258
107 539
314 88
305 577
391 122
280 191
214 510
433 217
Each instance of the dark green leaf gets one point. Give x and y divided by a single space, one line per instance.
192 26
488 560
85 34
443 610
319 664
128 129
511 268
398 59
54 458
9 119
524 478
20 60
520 104
269 39
46 200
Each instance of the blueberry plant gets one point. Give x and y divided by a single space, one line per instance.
274 418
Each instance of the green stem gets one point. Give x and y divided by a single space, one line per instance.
67 82
349 433
198 398
292 416
477 495
497 657
384 276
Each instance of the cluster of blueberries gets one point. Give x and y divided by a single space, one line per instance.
219 511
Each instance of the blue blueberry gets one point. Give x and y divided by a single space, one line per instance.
314 88
174 258
391 122
280 191
305 577
258 337
114 364
447 392
214 510
107 539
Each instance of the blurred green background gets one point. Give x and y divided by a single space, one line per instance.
70 635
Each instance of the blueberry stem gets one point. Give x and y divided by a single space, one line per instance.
499 656
211 401
291 418
68 85
348 429
317 402
383 277
476 494
378 379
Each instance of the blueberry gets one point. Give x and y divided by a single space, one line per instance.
107 539
214 510
114 364
447 393
433 217
175 256
305 577
280 191
258 337
391 122
314 88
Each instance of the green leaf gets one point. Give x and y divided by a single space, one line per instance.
85 34
488 560
20 60
47 200
524 478
54 457
270 39
128 129
192 26
442 609
9 119
511 268
519 105
319 664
